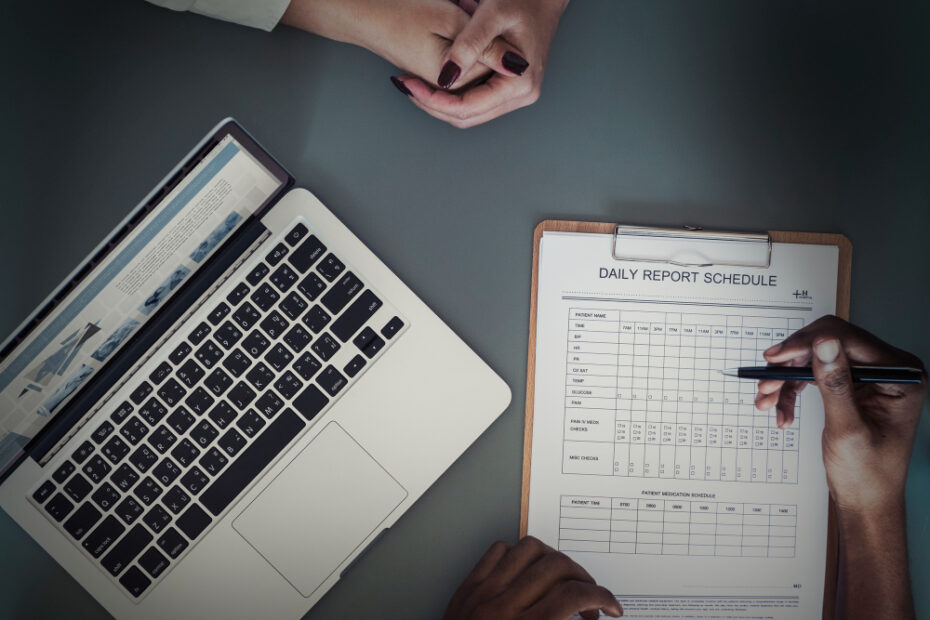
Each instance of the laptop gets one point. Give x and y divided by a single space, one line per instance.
230 399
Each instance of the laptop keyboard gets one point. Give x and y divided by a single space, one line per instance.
241 379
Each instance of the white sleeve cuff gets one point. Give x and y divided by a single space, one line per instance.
264 14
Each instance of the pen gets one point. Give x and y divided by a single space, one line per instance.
862 374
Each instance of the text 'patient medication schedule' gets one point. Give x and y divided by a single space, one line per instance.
652 469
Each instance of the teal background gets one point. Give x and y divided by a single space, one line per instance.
765 115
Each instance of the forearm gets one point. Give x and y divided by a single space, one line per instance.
874 577
340 20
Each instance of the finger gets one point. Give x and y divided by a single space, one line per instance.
834 379
499 95
571 597
787 397
481 570
468 6
540 577
473 42
770 386
590 615
765 402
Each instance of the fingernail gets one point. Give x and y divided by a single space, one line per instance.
400 86
450 72
514 63
827 350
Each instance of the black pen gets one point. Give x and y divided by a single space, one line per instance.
862 374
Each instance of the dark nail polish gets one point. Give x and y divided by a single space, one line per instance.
514 63
401 86
449 74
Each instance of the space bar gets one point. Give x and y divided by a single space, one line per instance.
251 462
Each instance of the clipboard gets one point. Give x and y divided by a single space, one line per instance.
696 247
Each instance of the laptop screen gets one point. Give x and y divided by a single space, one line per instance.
112 295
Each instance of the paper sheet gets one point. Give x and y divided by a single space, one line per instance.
649 467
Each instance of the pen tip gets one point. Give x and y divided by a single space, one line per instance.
730 372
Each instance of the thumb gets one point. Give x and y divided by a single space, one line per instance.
469 46
834 379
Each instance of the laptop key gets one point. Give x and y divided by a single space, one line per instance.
166 471
246 316
213 461
96 468
114 450
217 382
143 458
356 315
135 581
297 233
176 499
231 442
269 404
330 267
316 319
153 562
141 392
227 335
325 347
373 347
342 293
265 297
83 451
199 333
237 363
312 286
222 415
241 395
59 507
203 433
199 401
297 338
306 254
120 413
157 518
193 522
283 278
126 550
82 520
354 366
190 373
147 491
152 412
255 344
160 373
292 306
238 294
393 326
194 480
78 488
288 384
306 365
162 439
260 376
251 461
172 543
48 487
124 477
128 510
218 313
172 392
209 354
249 423
274 325
278 357
310 402
277 254
180 420
364 337
180 352
62 473
331 380
101 538
134 430
258 272
105 496
185 452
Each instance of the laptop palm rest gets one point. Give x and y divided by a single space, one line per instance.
317 511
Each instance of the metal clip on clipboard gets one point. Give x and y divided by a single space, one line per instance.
692 246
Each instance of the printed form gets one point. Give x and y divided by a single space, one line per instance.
653 470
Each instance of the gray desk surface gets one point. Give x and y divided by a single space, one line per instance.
789 115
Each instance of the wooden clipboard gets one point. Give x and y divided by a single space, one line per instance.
842 310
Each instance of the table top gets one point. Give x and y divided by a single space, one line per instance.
748 116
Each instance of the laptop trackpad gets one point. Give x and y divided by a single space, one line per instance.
317 511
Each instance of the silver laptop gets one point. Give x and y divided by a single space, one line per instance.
229 400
